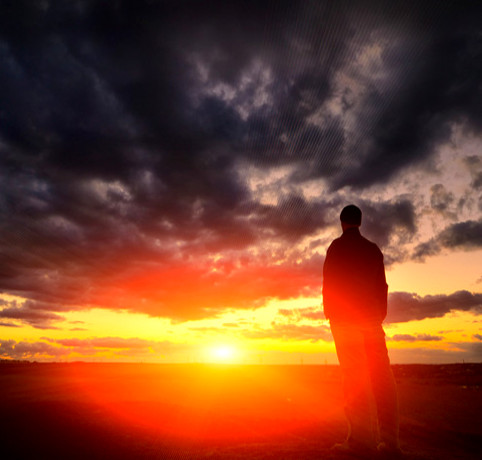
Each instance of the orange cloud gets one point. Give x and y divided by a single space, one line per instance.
197 290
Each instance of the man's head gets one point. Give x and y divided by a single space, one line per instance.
350 216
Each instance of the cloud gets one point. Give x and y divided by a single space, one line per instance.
2 323
477 336
129 130
30 350
148 277
415 338
472 350
415 112
292 332
49 348
440 199
404 306
112 343
292 218
313 313
390 224
462 235
477 182
36 314
458 352
194 290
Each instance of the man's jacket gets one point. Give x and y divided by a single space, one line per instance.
354 284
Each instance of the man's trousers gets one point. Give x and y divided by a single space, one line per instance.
367 377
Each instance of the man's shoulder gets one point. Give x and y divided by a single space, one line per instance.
372 249
357 239
369 242
335 243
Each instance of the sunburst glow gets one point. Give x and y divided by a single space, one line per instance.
223 353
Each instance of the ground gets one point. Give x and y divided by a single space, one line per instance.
144 411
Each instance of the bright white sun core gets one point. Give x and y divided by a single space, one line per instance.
223 354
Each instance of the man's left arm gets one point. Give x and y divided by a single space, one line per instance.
382 287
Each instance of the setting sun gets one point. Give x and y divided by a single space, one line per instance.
223 353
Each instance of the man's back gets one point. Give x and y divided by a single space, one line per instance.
355 302
354 284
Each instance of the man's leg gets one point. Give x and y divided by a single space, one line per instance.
384 386
349 342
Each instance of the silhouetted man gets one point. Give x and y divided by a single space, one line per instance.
355 303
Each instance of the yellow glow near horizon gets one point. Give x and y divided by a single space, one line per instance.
238 336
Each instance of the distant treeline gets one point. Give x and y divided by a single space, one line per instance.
16 361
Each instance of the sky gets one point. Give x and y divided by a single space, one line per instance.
172 173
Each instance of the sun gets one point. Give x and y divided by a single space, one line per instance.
223 353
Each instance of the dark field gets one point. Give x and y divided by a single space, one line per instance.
131 411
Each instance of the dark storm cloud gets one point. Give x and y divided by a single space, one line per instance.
124 126
440 198
404 306
462 235
439 86
292 218
384 219
477 182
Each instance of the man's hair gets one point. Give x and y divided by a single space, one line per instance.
351 215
